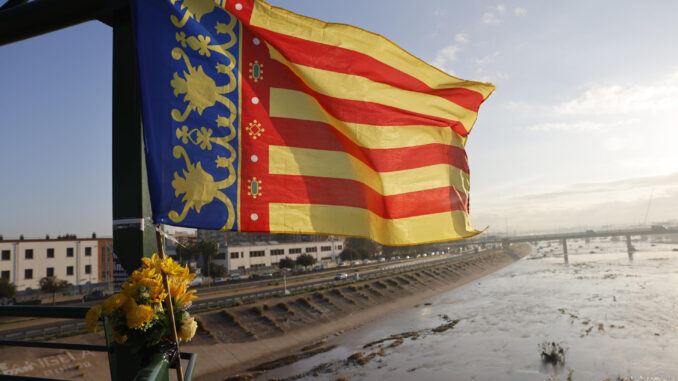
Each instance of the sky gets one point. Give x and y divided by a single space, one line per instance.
582 130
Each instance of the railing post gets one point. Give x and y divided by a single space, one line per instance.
133 231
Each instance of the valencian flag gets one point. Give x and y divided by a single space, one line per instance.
257 119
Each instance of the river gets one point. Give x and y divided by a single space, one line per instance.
615 318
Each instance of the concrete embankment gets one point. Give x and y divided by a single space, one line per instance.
237 339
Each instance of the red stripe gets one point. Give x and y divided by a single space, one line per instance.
280 76
316 135
340 192
342 60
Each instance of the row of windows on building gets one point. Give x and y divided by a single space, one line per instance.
28 253
28 273
275 252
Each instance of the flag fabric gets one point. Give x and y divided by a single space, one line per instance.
257 119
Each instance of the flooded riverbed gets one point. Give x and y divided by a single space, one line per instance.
614 318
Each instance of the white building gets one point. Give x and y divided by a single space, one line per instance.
267 254
77 261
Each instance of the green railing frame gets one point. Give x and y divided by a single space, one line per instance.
131 201
156 369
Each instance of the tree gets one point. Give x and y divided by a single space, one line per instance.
187 250
7 289
209 249
305 260
365 247
217 270
52 284
348 255
287 262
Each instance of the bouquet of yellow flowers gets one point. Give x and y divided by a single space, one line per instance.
137 314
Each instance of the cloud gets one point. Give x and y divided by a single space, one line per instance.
444 57
493 15
487 59
646 106
519 11
621 99
619 202
461 38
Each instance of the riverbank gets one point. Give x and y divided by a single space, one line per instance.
247 339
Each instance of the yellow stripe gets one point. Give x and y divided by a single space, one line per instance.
294 104
357 222
349 37
340 165
357 88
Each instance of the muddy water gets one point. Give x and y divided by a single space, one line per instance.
614 317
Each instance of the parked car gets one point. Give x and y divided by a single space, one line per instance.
342 264
267 275
367 262
234 278
355 263
381 260
341 276
407 257
197 281
318 268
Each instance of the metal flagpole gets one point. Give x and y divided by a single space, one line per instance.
169 306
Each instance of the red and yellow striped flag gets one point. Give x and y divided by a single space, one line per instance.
340 131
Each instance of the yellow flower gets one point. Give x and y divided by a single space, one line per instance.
150 281
187 329
120 339
137 315
185 298
114 302
92 318
166 265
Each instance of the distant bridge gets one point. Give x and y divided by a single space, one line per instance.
563 237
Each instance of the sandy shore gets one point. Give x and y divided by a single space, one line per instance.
218 360
232 340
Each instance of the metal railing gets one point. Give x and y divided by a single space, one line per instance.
156 369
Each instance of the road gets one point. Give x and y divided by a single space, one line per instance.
230 293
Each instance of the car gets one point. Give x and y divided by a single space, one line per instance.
407 257
97 294
342 264
267 275
234 278
318 268
424 255
197 281
367 262
381 260
418 255
6 301
355 263
341 276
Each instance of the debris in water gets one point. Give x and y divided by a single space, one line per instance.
552 353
